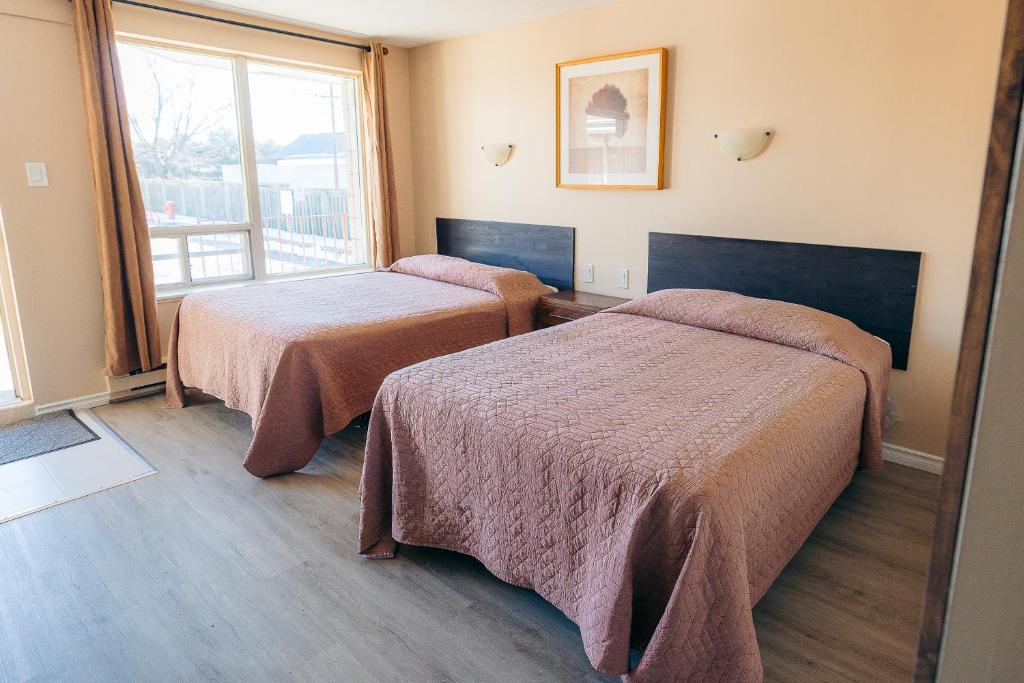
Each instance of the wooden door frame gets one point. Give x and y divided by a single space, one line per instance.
995 198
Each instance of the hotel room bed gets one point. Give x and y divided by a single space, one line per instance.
648 470
303 358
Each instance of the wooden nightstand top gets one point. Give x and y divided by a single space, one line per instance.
568 305
576 299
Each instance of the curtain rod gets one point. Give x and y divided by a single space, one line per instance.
233 22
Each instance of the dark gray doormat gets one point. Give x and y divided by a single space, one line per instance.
43 434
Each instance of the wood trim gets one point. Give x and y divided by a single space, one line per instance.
573 186
661 117
616 55
995 198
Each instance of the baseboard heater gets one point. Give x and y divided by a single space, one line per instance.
139 384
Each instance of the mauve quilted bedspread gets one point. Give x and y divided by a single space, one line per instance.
303 358
648 470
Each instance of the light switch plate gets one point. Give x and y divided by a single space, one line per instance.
37 176
588 272
623 278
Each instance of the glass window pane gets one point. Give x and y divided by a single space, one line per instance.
218 256
309 168
184 126
7 392
166 261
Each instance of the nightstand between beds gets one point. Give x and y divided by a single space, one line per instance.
570 304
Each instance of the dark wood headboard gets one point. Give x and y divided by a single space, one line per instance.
544 250
874 288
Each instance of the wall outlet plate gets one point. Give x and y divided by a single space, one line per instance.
37 176
623 278
588 272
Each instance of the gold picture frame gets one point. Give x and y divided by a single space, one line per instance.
604 118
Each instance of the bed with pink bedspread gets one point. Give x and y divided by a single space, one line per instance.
649 470
303 358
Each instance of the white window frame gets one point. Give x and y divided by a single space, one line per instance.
11 342
256 268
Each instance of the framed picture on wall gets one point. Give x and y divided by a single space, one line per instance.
610 121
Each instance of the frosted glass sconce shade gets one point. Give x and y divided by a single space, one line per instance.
497 154
744 143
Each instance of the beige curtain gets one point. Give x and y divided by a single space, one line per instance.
126 264
380 164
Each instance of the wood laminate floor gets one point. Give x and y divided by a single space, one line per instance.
204 572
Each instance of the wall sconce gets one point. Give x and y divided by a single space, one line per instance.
496 154
744 143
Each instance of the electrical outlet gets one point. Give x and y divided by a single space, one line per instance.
623 278
588 272
892 415
37 176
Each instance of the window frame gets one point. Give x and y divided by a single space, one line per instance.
256 267
11 342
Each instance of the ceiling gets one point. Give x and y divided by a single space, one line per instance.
405 23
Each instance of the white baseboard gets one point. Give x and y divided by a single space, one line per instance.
153 382
90 401
118 388
919 460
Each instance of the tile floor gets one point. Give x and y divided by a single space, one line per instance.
42 481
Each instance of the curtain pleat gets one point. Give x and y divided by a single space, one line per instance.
383 210
131 329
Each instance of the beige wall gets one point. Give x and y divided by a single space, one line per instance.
51 231
881 108
882 111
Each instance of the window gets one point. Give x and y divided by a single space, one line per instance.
249 170
308 169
